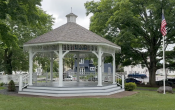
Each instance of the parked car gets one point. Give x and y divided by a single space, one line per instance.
167 83
171 80
93 79
68 78
132 80
137 75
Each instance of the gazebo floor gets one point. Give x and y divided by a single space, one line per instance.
71 88
71 84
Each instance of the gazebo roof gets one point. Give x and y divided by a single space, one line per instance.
70 33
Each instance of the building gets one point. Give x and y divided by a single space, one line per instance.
144 70
87 67
136 69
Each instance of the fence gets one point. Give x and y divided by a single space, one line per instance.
7 78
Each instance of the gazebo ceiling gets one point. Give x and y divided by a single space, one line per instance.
71 33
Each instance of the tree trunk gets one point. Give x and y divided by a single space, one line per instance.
152 77
72 65
8 61
152 68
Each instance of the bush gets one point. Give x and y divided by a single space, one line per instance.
11 86
130 86
1 84
119 81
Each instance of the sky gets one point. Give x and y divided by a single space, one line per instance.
60 8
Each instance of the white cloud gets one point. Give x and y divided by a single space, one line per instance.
60 8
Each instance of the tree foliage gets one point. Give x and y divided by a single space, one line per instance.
20 21
135 26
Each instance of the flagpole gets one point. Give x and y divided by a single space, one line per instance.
163 59
164 64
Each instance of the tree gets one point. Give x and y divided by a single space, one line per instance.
20 21
25 33
135 26
69 61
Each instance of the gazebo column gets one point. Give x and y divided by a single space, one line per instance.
102 65
30 66
31 55
51 67
60 66
113 55
99 66
78 67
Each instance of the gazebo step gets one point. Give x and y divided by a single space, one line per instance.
72 91
68 95
71 88
51 91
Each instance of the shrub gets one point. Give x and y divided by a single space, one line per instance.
11 86
119 81
1 84
130 86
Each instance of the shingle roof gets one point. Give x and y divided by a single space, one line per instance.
70 32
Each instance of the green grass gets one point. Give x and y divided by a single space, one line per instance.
144 100
2 88
150 88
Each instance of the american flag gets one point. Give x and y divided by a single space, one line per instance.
163 24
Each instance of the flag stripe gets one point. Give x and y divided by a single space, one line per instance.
163 26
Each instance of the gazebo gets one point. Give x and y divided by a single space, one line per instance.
69 38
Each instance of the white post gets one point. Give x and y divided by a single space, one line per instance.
78 67
123 82
60 66
99 66
102 65
20 83
113 55
46 76
164 62
51 67
30 66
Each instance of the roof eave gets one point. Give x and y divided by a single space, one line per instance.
84 43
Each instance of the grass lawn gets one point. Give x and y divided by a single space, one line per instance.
150 88
1 89
144 100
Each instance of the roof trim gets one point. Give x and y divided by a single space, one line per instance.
84 43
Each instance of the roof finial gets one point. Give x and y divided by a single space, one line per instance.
71 9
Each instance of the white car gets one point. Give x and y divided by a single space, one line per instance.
68 78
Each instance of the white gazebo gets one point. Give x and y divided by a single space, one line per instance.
70 38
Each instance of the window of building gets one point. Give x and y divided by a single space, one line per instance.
92 68
109 70
81 61
82 70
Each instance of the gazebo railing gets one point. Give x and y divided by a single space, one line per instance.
120 80
23 81
83 73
